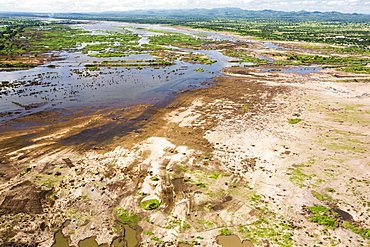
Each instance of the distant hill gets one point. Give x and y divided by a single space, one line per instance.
167 16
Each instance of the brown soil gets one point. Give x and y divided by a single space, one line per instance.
38 60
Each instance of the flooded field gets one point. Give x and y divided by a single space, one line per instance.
69 84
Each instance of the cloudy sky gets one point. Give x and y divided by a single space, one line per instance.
53 6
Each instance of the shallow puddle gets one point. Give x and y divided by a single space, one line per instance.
233 241
129 240
130 236
90 242
60 240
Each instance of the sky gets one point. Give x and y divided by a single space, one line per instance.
58 6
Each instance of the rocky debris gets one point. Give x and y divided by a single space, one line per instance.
23 198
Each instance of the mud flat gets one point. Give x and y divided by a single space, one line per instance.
267 158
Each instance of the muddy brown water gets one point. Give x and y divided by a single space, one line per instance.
60 240
130 240
233 241
90 242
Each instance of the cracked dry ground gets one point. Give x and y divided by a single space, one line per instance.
220 160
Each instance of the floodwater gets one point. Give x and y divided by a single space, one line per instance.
72 86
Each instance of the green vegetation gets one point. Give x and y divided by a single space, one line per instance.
201 185
359 69
16 65
269 226
300 59
225 231
156 31
49 180
256 198
199 69
150 204
126 217
321 197
348 30
157 240
323 216
294 120
26 170
363 232
179 40
216 175
10 34
60 37
243 56
298 177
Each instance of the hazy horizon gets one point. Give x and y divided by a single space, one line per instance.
83 6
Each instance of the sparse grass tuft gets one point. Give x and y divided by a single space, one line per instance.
294 120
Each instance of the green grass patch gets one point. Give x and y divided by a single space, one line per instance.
199 69
201 185
157 31
294 120
225 232
323 216
357 69
298 177
363 232
127 218
150 204
321 197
